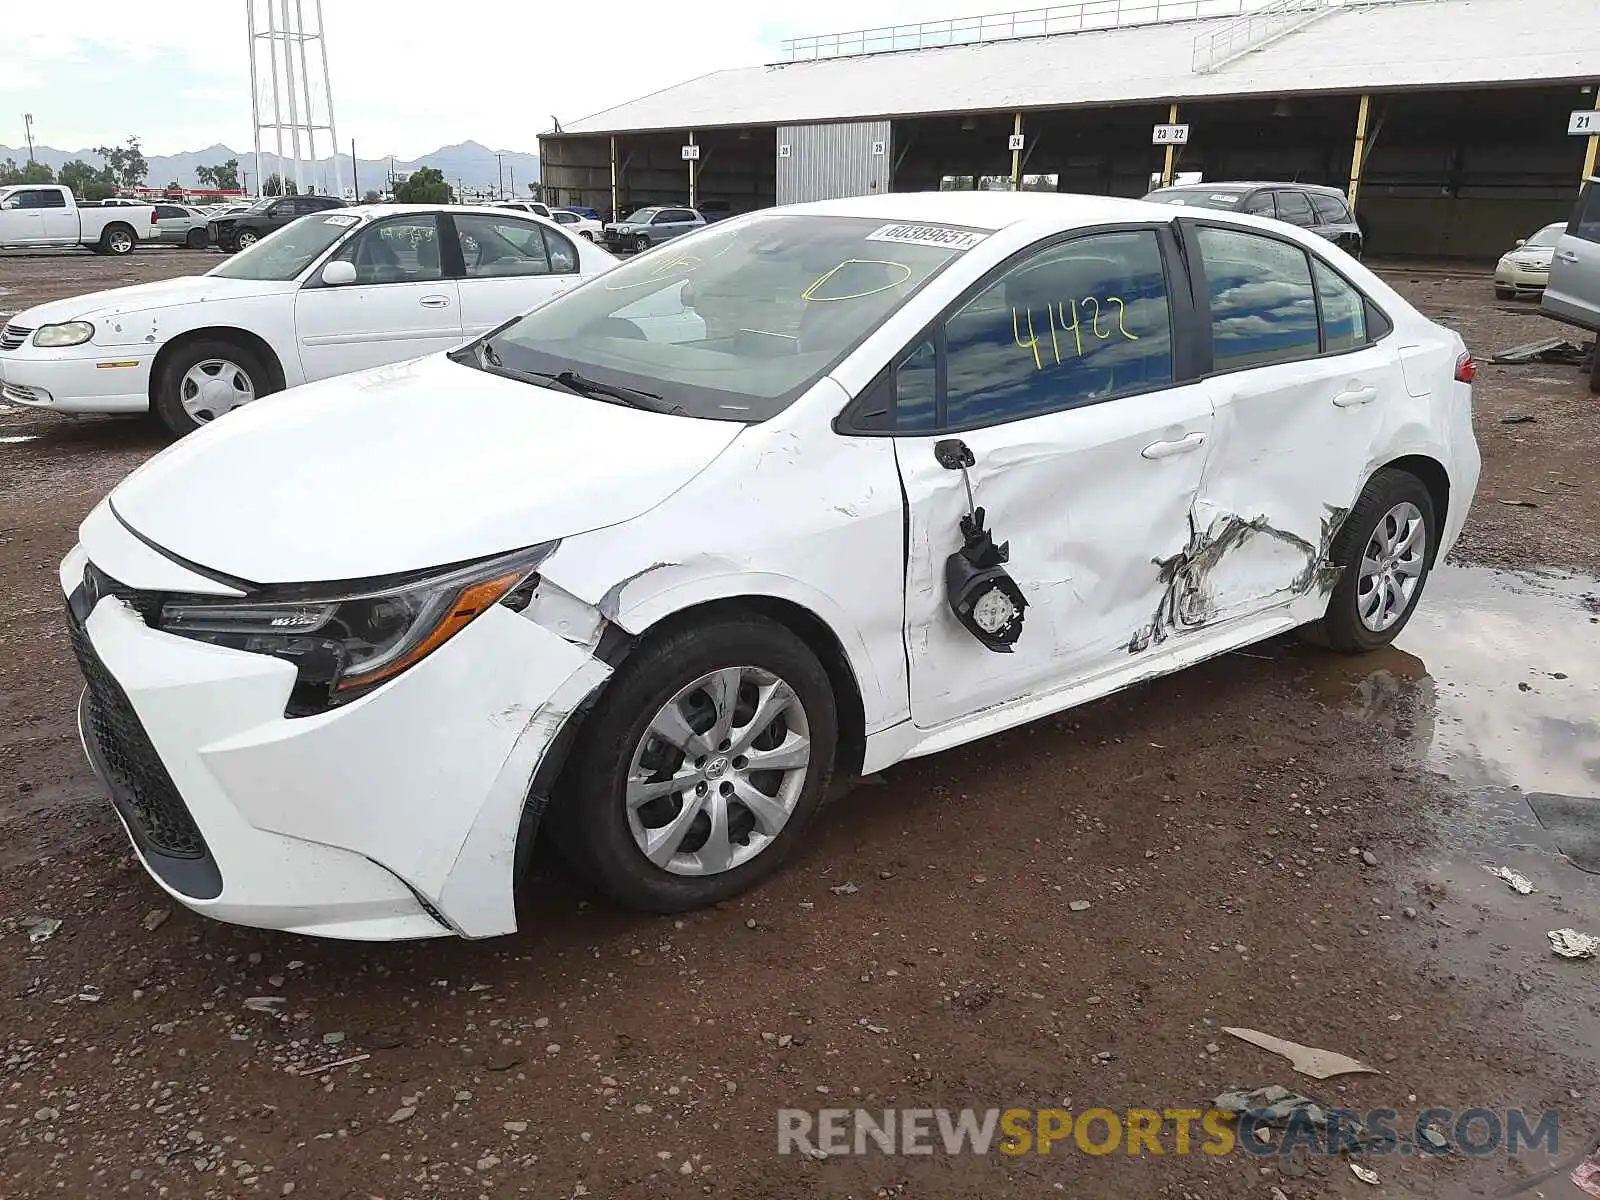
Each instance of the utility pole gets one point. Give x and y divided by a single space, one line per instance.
513 192
27 125
355 171
499 179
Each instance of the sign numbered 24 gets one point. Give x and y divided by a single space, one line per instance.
1170 135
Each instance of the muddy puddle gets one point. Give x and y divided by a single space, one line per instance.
1495 685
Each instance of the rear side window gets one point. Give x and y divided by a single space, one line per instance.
1586 217
1083 321
1260 205
1330 210
1344 311
1263 307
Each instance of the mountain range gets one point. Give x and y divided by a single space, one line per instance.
468 165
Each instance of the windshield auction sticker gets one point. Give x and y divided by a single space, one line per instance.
927 235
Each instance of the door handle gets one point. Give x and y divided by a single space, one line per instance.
1182 445
435 302
1356 397
1567 256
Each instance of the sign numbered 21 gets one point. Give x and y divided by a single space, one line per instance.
1170 135
1584 123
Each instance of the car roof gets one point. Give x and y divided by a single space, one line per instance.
390 210
989 210
1245 185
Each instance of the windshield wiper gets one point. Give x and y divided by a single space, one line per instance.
594 389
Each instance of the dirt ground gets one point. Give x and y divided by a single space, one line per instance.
1277 839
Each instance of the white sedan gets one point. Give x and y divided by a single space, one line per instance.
327 294
1525 269
807 493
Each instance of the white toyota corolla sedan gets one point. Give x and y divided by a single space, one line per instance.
337 291
810 492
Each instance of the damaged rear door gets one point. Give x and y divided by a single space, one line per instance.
1057 375
1301 383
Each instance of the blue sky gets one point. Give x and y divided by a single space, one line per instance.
90 76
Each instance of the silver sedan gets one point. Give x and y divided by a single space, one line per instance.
181 225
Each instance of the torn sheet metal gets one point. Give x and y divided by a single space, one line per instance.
1518 883
1187 599
1549 350
1569 943
1308 1060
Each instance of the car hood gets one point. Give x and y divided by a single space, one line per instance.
144 297
403 467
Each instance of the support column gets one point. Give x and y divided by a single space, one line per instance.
1593 153
1016 156
615 215
693 165
1358 161
1172 151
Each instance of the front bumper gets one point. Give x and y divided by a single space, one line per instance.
394 816
1523 278
81 379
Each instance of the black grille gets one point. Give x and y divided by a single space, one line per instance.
13 335
140 786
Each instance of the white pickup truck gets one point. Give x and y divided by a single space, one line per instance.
36 216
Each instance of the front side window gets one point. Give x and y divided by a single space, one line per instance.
402 250
283 208
284 253
735 321
1260 205
1344 310
1263 308
493 248
1079 322
1586 219
1330 210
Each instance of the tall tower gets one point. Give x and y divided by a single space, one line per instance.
289 101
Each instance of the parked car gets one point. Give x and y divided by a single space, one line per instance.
1572 295
527 206
330 293
1525 269
1322 210
182 225
582 210
266 215
577 222
44 216
650 227
655 561
714 210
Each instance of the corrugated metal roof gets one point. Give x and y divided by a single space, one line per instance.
1408 44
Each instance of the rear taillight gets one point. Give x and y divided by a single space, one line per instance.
1466 368
152 216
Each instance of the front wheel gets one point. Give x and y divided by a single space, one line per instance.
117 240
206 380
641 244
245 239
1384 552
700 766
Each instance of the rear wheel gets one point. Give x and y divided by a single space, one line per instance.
206 380
196 239
1594 367
117 240
1385 551
700 766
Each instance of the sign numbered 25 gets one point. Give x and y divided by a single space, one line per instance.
1170 135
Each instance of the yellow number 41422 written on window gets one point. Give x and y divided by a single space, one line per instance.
1059 325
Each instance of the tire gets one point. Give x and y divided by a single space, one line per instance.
167 399
1368 524
641 244
1505 293
245 238
1594 367
598 831
117 240
196 239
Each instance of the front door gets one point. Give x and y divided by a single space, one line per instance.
1058 376
509 265
400 306
22 219
1301 383
1573 293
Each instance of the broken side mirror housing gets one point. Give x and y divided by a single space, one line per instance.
984 598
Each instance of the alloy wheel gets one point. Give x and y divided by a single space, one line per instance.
212 387
1391 567
718 772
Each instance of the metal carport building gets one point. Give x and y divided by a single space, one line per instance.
1446 120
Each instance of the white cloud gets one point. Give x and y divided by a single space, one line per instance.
406 77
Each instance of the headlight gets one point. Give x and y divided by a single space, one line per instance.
72 333
344 643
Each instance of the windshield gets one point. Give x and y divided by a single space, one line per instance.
286 252
1548 236
735 322
642 217
1198 198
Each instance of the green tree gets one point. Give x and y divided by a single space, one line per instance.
31 172
126 163
223 175
371 197
425 186
276 185
86 182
